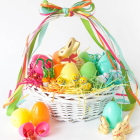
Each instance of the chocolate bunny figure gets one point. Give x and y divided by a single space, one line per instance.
68 54
127 127
104 127
118 132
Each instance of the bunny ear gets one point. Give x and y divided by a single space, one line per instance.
127 118
70 44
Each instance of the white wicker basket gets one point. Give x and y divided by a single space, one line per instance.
66 106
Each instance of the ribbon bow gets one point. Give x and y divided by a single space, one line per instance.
83 6
118 134
70 59
126 126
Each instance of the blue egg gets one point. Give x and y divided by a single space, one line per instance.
104 65
112 112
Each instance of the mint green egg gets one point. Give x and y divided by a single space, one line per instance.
88 70
112 112
84 56
104 65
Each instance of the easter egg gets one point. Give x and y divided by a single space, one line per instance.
112 112
42 129
104 65
55 58
20 116
39 113
38 67
68 70
57 69
88 70
84 56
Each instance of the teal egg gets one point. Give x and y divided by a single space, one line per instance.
112 112
84 56
88 70
104 65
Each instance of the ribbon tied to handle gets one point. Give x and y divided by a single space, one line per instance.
83 6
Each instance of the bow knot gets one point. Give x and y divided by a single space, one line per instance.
70 59
85 6
67 12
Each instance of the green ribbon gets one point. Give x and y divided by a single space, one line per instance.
45 10
127 107
41 36
12 107
41 33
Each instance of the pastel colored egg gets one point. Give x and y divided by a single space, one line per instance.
39 113
84 56
38 67
57 69
42 129
55 58
68 70
104 65
88 70
20 116
112 112
25 129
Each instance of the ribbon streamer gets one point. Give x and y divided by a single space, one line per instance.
82 8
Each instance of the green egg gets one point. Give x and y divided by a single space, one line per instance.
88 70
84 56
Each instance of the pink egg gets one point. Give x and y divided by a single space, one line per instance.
42 129
25 128
38 67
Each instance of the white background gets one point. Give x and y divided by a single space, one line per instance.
19 18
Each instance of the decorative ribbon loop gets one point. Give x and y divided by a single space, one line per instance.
82 6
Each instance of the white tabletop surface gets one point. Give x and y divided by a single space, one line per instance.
68 131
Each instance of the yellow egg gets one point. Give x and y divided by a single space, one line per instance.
68 70
20 116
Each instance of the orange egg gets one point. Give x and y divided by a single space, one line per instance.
57 69
39 113
55 58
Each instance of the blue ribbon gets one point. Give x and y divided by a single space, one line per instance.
121 55
65 11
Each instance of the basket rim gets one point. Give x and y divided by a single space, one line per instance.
38 90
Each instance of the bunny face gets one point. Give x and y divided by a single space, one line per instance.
104 122
104 127
127 127
70 48
118 129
